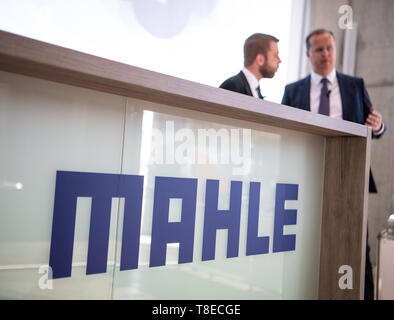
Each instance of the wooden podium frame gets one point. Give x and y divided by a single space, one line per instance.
347 149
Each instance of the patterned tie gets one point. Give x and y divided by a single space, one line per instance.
324 106
259 93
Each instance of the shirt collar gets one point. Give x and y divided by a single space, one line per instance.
316 78
252 80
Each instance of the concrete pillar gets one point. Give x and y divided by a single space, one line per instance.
374 63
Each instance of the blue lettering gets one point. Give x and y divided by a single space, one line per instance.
101 188
164 232
255 244
215 219
284 217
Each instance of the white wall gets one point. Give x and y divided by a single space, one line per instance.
198 40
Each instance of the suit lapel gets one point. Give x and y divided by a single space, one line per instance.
305 93
245 84
343 89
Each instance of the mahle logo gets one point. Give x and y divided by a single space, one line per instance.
102 187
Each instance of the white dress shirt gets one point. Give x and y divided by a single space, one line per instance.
335 96
333 89
252 80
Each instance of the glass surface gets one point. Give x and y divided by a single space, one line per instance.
46 127
276 156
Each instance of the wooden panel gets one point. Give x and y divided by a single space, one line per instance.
35 58
343 231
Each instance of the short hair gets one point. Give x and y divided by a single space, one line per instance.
257 43
315 33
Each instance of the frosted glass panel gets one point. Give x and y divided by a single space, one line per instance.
171 148
45 127
229 209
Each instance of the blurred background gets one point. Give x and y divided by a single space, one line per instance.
202 40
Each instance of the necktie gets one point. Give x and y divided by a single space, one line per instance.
259 93
324 106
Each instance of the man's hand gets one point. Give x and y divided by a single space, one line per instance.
374 120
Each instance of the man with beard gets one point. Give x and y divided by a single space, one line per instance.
261 60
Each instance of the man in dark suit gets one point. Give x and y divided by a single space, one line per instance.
337 95
261 60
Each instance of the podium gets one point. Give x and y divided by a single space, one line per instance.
122 183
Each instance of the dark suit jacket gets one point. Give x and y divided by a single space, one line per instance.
237 83
356 104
